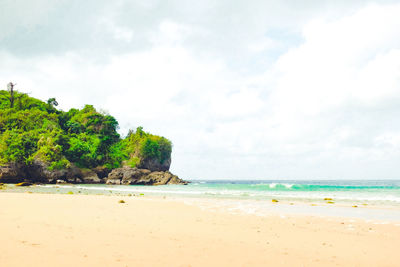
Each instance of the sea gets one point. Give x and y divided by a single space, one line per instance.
366 199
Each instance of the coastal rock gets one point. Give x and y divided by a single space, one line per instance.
39 171
12 173
176 180
126 175
160 178
155 164
135 176
90 177
102 172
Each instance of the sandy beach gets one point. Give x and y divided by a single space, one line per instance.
97 230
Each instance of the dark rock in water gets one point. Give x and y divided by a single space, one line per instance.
176 180
155 164
135 176
160 178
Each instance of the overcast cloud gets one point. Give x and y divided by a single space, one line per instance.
244 89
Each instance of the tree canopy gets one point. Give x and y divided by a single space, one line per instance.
31 129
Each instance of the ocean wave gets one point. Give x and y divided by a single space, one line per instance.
260 191
316 187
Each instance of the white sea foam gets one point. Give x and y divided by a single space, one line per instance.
371 197
258 202
130 189
263 208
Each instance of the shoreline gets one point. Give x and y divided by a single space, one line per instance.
260 207
88 230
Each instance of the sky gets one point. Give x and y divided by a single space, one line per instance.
262 89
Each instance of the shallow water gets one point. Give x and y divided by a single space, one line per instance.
255 196
386 193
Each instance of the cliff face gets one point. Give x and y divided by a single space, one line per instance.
155 164
38 172
12 173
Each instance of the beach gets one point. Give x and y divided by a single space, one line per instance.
96 230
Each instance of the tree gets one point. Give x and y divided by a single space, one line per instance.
10 87
31 129
52 102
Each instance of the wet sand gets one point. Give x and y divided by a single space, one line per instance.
96 230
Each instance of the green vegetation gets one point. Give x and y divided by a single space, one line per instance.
31 130
140 146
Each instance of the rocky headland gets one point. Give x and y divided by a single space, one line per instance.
42 144
38 172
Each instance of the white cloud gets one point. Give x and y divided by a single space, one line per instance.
349 65
238 99
341 62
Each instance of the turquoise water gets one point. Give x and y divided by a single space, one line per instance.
375 200
382 192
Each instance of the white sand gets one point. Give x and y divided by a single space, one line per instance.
81 230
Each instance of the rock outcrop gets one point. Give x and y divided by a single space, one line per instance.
12 173
38 172
91 177
102 172
155 164
135 176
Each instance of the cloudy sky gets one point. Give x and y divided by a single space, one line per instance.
261 89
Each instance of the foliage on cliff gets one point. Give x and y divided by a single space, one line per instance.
35 130
140 146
